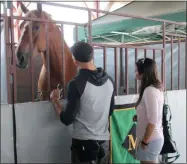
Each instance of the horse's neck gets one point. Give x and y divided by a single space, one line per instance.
57 71
55 56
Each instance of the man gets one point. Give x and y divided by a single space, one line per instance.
90 102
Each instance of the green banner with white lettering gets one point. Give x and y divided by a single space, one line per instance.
123 136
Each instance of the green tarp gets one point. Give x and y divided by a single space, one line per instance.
129 26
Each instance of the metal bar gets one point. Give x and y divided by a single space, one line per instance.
172 63
162 67
97 7
116 69
5 10
63 61
123 46
88 7
153 42
98 48
8 59
176 35
126 71
13 84
13 70
48 58
154 54
185 66
148 43
164 55
179 63
31 62
93 56
104 58
136 81
109 39
44 20
145 53
111 13
39 6
121 68
128 34
76 33
98 36
89 27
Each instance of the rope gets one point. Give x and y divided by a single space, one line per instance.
86 34
14 123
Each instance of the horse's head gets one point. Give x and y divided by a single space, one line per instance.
23 52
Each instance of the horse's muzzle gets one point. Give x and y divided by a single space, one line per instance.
22 66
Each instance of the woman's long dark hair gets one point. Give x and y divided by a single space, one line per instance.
148 69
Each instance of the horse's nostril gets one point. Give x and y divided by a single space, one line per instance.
21 59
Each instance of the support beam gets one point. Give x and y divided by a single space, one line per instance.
109 6
97 6
140 30
88 8
183 32
98 36
127 34
108 39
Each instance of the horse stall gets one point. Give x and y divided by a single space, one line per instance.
30 129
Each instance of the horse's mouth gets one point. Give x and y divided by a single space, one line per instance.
22 64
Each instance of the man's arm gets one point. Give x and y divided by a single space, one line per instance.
57 106
68 115
112 103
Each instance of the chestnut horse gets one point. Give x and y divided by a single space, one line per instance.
39 43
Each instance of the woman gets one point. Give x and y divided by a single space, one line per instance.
149 108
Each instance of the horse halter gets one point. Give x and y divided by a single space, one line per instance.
44 52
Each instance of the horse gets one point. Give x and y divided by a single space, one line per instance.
39 42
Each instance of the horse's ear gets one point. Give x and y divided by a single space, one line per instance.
39 7
23 8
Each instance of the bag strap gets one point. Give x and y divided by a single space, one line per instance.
165 95
170 113
177 155
166 158
175 158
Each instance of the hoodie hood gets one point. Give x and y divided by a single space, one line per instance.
97 77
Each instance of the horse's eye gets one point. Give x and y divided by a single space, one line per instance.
36 28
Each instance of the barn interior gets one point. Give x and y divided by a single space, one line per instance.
30 129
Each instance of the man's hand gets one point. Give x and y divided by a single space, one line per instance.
54 96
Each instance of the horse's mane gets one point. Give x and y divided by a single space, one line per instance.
40 15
